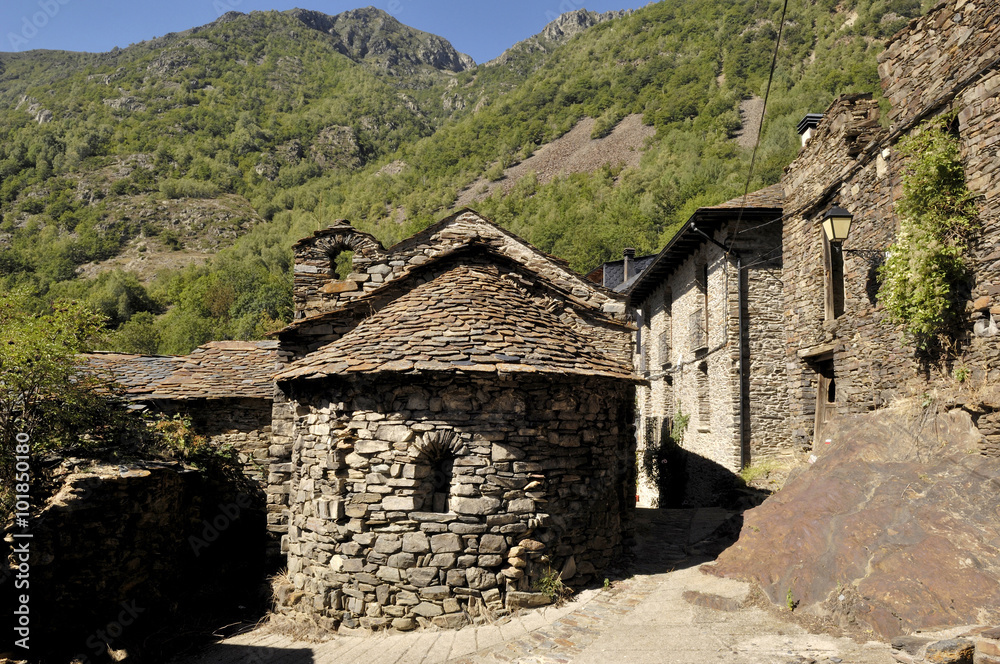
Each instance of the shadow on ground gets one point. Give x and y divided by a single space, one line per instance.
237 654
673 539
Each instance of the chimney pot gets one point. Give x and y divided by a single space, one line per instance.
629 254
808 124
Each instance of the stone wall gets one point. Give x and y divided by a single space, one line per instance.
244 424
126 555
541 484
853 161
680 341
767 386
937 55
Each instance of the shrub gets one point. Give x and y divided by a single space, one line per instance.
187 188
926 274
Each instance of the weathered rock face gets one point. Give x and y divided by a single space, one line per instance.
371 35
894 527
432 498
557 32
336 147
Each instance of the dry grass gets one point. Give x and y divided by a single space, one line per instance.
769 473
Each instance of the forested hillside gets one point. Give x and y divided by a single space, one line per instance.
164 183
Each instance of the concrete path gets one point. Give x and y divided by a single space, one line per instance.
668 611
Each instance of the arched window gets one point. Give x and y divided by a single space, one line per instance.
436 453
441 478
341 263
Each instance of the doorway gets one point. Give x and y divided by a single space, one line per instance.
826 396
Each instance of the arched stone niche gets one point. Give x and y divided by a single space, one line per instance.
436 453
318 288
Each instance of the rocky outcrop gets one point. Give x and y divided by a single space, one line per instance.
127 103
893 528
34 109
371 35
557 33
336 147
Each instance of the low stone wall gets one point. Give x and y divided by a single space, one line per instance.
541 483
120 554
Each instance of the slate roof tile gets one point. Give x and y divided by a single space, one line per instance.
469 318
219 369
768 197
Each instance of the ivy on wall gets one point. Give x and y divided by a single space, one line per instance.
926 274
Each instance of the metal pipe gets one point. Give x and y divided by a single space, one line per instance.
744 351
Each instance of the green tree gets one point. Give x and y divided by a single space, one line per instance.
45 395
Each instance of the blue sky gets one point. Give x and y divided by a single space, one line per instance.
481 29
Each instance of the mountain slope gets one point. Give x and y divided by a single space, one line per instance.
371 35
286 121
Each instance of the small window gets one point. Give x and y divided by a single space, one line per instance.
665 333
834 279
696 331
647 333
435 453
442 475
703 287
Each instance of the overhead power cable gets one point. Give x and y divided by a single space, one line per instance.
760 127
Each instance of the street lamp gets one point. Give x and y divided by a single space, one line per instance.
837 224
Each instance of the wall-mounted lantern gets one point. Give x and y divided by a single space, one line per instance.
837 224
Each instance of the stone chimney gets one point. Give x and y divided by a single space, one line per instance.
807 125
629 254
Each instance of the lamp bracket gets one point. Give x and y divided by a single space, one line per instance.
871 256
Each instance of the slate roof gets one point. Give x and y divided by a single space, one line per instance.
219 369
762 206
768 197
470 318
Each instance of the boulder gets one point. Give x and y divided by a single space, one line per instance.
893 527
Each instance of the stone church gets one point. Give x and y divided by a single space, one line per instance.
459 413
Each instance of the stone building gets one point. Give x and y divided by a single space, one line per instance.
843 356
619 275
459 413
710 342
225 387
